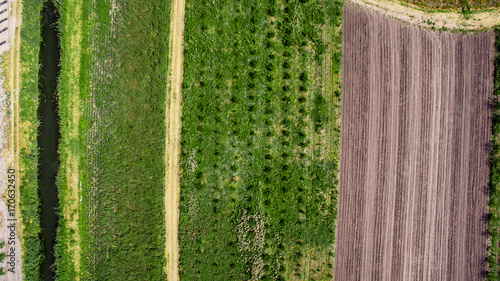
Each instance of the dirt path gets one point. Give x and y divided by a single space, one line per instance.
414 160
173 137
418 16
16 90
12 159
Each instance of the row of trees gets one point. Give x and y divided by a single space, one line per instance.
494 204
247 139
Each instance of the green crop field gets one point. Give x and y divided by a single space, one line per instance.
260 139
121 139
123 175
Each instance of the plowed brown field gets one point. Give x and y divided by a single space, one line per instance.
415 144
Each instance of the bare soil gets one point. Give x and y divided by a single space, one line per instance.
173 138
11 157
414 160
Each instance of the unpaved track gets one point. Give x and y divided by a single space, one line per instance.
14 72
16 91
173 138
14 85
450 19
414 158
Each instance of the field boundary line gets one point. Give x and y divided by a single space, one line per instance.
173 111
447 19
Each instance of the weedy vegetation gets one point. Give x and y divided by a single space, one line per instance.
67 248
464 5
121 139
29 202
494 203
124 123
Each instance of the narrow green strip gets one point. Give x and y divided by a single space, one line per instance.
494 204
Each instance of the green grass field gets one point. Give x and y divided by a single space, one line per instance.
122 87
68 247
260 139
123 180
28 104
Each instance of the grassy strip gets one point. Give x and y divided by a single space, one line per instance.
260 139
28 102
464 5
86 205
494 204
67 249
123 87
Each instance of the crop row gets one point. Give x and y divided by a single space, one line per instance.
258 183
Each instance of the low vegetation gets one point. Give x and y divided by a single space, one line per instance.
494 204
465 5
260 134
67 249
28 103
122 88
3 255
260 141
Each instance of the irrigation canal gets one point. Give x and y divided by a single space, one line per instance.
48 137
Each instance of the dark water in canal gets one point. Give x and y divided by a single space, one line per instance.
48 134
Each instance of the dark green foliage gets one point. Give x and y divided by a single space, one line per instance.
29 202
255 105
2 258
494 204
334 11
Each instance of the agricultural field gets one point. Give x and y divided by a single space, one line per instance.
201 140
414 174
112 93
260 140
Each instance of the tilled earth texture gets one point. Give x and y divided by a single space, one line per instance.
414 151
